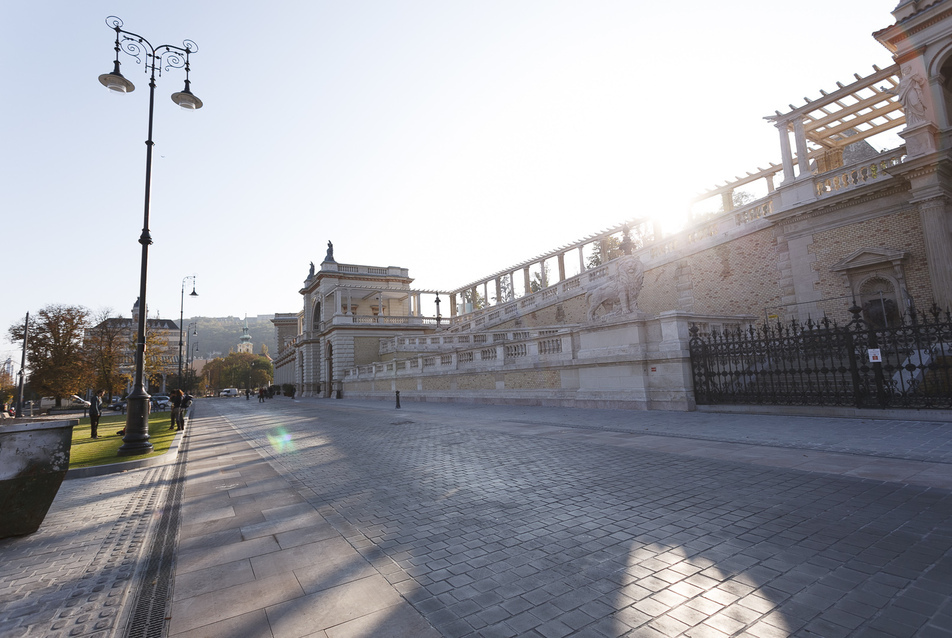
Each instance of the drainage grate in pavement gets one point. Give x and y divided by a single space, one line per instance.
154 591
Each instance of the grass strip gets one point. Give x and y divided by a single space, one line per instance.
86 451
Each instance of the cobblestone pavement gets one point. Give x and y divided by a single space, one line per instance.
510 521
72 576
494 533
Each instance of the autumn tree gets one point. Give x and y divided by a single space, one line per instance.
157 360
58 367
105 346
239 370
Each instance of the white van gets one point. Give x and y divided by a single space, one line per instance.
228 392
71 401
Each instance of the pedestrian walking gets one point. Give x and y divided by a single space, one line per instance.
95 411
260 395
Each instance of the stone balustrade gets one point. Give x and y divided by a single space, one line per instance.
446 352
446 342
857 175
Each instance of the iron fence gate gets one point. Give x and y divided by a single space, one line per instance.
823 364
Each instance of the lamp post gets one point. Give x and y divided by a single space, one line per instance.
188 353
181 320
26 337
136 437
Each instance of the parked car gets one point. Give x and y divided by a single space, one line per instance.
161 402
78 402
118 405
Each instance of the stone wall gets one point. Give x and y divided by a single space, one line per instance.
620 363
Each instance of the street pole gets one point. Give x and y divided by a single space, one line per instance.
136 437
26 337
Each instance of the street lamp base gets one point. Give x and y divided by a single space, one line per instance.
136 439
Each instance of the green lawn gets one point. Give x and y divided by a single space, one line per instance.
86 451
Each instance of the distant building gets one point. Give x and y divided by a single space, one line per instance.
163 333
244 342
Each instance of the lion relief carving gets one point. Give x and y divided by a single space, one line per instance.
620 292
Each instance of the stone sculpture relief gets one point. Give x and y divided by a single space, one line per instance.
620 292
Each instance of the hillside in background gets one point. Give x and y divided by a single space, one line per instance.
217 336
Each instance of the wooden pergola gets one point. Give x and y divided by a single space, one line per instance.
823 127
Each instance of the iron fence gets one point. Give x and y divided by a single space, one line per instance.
907 365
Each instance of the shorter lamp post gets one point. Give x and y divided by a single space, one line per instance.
181 320
188 352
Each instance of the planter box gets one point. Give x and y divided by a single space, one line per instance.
34 457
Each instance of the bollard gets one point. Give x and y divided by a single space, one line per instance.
398 399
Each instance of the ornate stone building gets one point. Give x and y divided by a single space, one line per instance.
834 222
348 309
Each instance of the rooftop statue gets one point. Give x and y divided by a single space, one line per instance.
330 252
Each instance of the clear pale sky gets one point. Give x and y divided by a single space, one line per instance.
451 138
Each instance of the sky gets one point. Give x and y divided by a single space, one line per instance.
451 138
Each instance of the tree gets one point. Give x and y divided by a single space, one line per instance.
467 296
8 383
738 200
505 290
536 284
239 370
604 251
609 248
105 346
157 361
55 351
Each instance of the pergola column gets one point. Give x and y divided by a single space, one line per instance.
561 259
785 153
803 155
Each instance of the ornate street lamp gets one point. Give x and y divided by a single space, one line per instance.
136 437
181 320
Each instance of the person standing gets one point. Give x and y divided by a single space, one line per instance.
95 411
176 398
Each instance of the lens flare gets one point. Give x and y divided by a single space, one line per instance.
281 440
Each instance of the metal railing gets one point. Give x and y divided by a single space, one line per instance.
908 365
